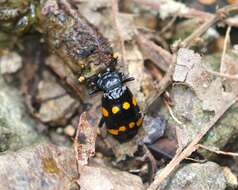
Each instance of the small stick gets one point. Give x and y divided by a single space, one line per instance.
220 15
75 145
158 55
187 42
190 12
178 132
152 161
163 84
195 160
115 10
169 25
172 114
217 151
223 75
227 37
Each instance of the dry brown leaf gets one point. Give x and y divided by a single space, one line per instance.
85 139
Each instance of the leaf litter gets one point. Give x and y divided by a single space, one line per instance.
217 93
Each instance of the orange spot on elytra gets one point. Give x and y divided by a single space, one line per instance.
132 124
126 105
122 128
115 109
113 131
134 100
104 112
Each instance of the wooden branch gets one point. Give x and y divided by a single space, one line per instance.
159 56
223 75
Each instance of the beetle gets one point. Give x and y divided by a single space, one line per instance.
120 111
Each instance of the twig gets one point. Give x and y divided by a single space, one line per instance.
211 19
220 15
189 149
190 39
227 37
160 57
216 150
223 75
169 24
152 161
75 145
163 84
195 160
179 132
115 10
232 22
171 113
190 12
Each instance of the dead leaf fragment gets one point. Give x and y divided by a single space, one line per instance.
186 59
215 96
189 70
84 142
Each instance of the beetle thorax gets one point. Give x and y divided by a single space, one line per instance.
115 93
110 83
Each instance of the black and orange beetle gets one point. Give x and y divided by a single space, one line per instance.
120 111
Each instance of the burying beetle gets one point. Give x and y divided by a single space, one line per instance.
120 111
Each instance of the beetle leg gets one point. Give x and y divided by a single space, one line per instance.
101 122
128 79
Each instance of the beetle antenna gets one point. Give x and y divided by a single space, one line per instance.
128 79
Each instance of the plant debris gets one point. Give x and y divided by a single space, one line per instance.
183 57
